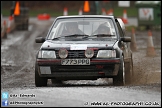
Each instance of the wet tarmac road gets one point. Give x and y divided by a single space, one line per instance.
17 75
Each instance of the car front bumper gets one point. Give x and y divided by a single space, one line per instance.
98 68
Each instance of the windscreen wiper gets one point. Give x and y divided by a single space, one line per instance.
103 35
73 35
99 35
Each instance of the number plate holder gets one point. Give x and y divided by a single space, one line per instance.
75 62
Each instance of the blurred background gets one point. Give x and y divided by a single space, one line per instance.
55 8
139 14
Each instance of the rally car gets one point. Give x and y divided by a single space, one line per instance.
75 48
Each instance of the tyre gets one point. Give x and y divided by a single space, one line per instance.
39 81
25 25
129 72
19 27
119 80
56 81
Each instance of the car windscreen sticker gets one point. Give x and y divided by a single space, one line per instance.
78 47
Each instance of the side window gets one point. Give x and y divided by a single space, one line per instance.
120 30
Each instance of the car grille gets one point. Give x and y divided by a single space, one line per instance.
76 54
72 68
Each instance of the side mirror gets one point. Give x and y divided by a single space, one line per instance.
39 39
126 39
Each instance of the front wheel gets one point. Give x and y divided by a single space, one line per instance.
39 81
119 80
129 72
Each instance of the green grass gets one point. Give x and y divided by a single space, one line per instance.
5 12
34 13
129 28
131 12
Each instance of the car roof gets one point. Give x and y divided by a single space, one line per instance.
81 16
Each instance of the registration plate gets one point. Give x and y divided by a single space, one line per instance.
75 62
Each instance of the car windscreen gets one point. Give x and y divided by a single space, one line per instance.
82 28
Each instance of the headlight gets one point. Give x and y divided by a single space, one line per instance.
89 53
63 53
46 54
106 54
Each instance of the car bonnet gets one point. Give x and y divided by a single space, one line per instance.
81 45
